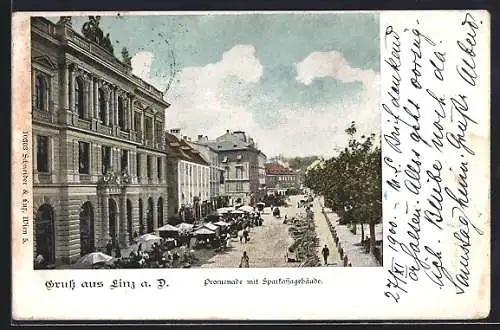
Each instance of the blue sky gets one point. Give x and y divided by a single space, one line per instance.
293 81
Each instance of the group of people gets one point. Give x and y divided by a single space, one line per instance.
112 245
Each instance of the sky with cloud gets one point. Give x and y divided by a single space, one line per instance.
294 82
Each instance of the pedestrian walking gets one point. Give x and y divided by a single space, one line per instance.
244 263
245 235
325 252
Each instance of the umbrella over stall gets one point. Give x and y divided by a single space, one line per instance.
184 226
246 208
204 231
167 227
94 258
147 240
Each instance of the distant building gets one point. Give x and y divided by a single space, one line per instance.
243 167
189 186
280 178
98 145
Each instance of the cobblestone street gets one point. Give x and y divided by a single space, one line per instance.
267 246
269 243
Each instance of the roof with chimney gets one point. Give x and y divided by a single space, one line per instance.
277 169
180 148
237 140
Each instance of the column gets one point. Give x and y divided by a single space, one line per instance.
142 126
115 107
131 112
65 89
108 109
153 128
122 227
72 80
95 84
111 105
75 163
105 219
90 109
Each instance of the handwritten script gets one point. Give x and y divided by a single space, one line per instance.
429 112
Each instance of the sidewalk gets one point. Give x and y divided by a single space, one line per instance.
351 243
325 236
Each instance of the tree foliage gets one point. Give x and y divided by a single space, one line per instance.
351 182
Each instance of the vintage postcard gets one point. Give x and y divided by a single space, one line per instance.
301 164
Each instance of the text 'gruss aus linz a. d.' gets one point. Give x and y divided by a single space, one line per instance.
428 125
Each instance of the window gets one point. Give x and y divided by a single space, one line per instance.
138 165
124 160
106 159
42 153
102 106
239 173
224 160
79 98
149 167
137 121
83 158
159 129
148 123
121 114
239 186
40 90
238 157
227 172
158 165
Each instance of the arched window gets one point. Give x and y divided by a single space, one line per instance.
102 107
40 90
79 97
121 114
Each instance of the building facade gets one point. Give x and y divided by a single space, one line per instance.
99 160
240 159
189 187
280 178
217 188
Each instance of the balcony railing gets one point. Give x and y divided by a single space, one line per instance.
44 178
104 129
83 123
43 116
85 178
124 134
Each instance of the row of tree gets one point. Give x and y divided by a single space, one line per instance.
351 182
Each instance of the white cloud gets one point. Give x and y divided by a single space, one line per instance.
141 65
331 64
200 103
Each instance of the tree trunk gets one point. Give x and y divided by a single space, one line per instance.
362 233
355 226
372 237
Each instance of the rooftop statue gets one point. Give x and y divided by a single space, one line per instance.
92 31
126 58
64 20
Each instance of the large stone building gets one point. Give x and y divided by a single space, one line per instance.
243 167
99 161
189 179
